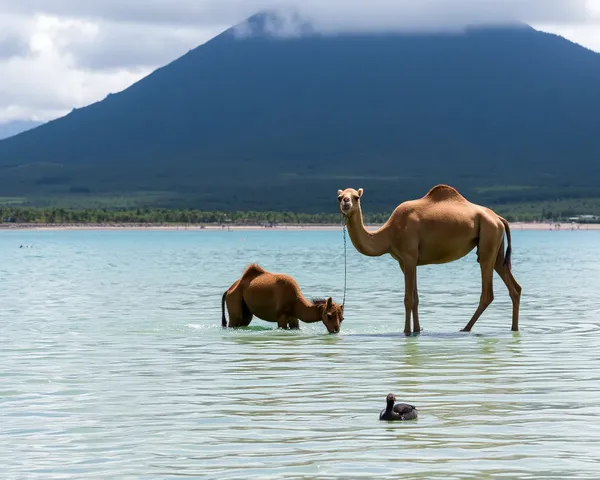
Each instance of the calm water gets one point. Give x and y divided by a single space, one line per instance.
113 363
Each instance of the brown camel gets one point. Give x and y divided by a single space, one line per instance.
440 227
276 297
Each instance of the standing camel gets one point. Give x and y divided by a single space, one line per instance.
440 227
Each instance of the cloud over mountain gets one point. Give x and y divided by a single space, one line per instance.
68 53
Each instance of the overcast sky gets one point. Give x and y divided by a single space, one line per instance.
60 54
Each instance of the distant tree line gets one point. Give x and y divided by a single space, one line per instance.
163 215
58 215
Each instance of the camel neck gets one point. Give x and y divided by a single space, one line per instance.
307 311
370 244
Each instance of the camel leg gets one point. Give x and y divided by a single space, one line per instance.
235 306
415 311
487 290
514 289
410 282
415 308
246 314
282 322
293 323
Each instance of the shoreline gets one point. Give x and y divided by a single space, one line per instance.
213 227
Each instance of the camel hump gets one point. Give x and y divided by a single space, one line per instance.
443 192
254 269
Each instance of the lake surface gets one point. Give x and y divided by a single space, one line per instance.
113 363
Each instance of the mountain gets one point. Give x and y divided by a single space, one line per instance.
13 128
260 121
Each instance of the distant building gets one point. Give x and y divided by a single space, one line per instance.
585 219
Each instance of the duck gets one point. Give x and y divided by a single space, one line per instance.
399 411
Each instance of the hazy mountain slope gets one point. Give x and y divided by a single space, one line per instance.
13 128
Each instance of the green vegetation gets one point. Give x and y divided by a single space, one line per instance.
557 211
162 215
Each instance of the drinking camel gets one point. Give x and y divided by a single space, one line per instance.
276 297
440 227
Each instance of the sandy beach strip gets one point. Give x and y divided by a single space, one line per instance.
281 227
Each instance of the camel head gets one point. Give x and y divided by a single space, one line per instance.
349 200
332 314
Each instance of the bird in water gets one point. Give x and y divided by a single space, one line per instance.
399 411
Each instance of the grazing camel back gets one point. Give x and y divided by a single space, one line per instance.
276 297
441 227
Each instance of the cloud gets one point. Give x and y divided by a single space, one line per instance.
61 63
60 54
434 15
587 35
331 13
12 45
133 45
46 82
199 13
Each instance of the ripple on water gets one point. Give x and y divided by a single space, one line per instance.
116 366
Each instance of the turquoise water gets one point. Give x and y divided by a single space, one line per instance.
113 363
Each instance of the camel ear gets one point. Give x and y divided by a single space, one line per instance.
360 192
329 303
340 192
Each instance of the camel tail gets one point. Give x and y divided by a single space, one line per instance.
508 255
223 319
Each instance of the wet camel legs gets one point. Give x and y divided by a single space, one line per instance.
411 298
514 289
488 262
285 322
239 315
487 290
282 322
415 312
